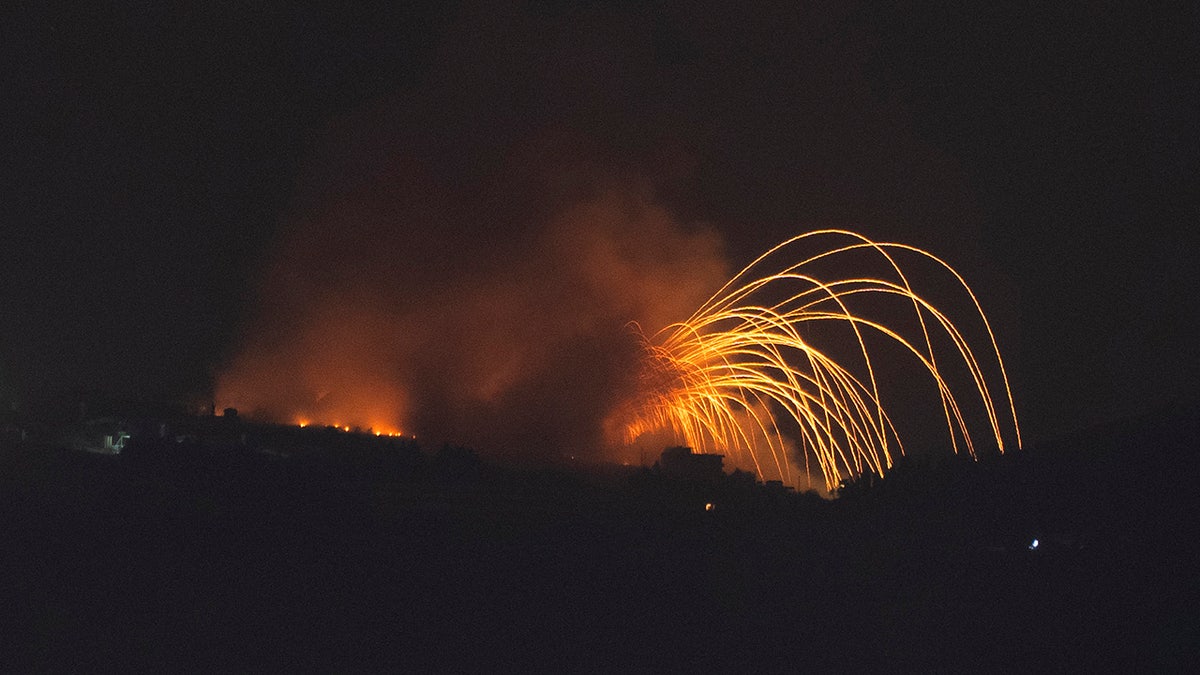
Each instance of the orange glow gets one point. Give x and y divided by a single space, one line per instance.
329 375
466 343
381 430
744 367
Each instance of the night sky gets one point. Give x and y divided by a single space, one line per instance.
157 162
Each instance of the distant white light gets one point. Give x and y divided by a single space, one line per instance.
1033 545
709 506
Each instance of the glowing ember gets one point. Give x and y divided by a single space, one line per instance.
375 429
740 376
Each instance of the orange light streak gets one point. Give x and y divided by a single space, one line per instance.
739 368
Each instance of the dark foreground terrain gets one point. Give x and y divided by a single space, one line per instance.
222 560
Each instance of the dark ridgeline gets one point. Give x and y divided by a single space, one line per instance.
682 463
234 544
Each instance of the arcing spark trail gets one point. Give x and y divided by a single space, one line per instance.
740 375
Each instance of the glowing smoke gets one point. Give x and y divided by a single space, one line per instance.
494 319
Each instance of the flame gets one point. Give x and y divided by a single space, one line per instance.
375 429
466 339
752 373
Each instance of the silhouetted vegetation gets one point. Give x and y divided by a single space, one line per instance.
240 544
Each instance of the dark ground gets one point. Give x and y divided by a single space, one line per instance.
220 561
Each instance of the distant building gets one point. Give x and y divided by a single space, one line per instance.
103 435
682 463
777 487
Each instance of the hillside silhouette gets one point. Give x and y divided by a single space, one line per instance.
342 551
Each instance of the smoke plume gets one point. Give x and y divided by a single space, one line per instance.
490 311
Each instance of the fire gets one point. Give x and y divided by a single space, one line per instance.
787 369
378 429
742 375
466 339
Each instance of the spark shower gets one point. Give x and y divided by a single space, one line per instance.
826 357
742 376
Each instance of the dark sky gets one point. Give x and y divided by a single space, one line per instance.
155 159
